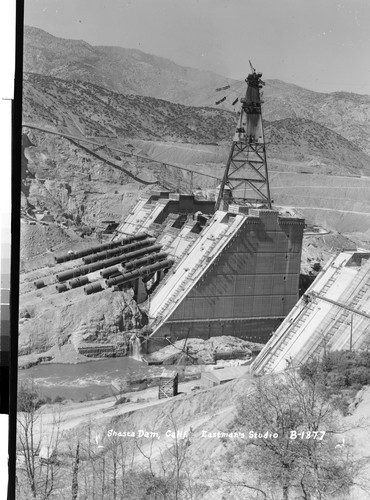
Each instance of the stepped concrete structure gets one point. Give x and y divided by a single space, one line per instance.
235 272
334 314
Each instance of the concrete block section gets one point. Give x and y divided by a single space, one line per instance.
246 280
334 314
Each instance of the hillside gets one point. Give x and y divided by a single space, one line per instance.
80 108
52 320
206 458
131 71
298 139
127 71
75 187
92 185
346 113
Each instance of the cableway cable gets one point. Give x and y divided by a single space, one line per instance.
130 153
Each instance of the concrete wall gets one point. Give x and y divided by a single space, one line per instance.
184 204
251 286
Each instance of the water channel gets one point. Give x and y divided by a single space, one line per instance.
88 380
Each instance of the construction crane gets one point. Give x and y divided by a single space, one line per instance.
245 181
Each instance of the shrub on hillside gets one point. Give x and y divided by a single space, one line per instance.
337 380
342 360
340 370
29 399
311 369
278 461
359 375
341 403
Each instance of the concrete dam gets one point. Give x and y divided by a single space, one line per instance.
234 273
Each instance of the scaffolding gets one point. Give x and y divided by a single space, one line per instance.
246 170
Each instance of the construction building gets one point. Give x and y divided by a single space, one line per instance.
220 375
334 314
168 384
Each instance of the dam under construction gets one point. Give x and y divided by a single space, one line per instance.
215 262
233 273
224 263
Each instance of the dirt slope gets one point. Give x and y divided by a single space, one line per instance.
209 410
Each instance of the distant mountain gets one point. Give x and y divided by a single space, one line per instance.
344 112
84 109
299 140
128 71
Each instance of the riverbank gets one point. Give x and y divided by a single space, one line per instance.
95 379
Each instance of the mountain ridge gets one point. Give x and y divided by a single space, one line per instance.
91 110
132 71
113 67
88 110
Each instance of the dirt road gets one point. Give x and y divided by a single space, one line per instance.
72 414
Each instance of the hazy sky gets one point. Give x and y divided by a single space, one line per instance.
322 45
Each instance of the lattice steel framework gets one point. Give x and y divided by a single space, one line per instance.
246 170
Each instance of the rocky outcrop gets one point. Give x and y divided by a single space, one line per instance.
102 318
76 188
199 351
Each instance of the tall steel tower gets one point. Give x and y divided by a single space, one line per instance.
245 180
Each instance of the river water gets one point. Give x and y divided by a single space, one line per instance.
88 380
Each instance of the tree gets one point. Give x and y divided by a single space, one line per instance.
289 426
75 473
168 463
128 467
39 471
106 464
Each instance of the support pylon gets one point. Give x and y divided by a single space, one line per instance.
245 181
